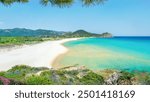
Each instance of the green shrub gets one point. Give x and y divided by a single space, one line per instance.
92 79
37 80
145 79
73 72
46 73
1 83
14 82
60 72
126 75
125 78
19 72
20 68
2 73
19 40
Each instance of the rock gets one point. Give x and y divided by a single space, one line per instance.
113 79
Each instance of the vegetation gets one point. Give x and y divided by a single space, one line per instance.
37 80
144 78
19 36
19 72
19 40
83 33
1 83
2 73
59 3
92 79
28 32
126 78
29 76
26 75
22 32
8 2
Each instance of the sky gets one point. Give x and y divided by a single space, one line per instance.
119 17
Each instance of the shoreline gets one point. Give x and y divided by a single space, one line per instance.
37 55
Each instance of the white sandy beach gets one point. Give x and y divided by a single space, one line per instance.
38 55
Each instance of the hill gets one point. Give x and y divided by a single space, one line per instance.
83 33
28 32
17 32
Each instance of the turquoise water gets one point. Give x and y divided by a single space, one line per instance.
125 53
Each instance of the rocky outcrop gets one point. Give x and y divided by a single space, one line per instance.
113 79
121 78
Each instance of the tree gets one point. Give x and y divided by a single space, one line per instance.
59 3
8 2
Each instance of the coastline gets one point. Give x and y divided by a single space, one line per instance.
37 55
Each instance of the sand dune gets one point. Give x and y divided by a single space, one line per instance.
38 55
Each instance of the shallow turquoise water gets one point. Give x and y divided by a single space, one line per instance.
125 53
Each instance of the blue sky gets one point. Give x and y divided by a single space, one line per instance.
119 17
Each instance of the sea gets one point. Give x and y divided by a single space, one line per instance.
120 53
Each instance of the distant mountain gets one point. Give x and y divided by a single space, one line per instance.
106 35
83 33
49 33
28 32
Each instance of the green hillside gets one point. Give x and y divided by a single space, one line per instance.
18 36
20 32
29 32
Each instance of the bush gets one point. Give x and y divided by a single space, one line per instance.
46 73
19 72
2 73
37 80
125 78
145 79
73 72
126 75
14 82
92 79
19 68
1 83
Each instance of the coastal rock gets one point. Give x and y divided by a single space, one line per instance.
121 78
113 79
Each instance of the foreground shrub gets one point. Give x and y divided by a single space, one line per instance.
147 81
92 79
144 79
19 72
125 78
1 83
37 80
26 75
2 73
